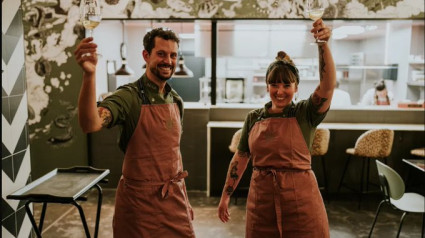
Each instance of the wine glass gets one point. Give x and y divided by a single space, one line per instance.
315 10
90 15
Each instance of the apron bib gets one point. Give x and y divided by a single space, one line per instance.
284 199
151 199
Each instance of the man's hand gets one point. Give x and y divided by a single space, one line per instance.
86 56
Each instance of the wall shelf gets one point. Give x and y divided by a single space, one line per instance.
366 67
416 83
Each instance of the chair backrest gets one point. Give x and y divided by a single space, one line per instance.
395 183
320 142
376 143
235 141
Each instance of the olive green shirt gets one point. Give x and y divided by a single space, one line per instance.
304 111
125 105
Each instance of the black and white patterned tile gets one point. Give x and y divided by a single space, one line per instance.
16 165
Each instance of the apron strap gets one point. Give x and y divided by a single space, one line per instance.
277 206
142 93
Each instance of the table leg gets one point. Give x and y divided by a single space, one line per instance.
83 218
99 205
43 213
34 225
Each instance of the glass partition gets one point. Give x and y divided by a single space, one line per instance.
364 52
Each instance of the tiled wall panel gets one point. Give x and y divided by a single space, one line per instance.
16 166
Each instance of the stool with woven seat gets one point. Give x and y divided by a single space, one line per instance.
371 145
233 147
318 150
418 152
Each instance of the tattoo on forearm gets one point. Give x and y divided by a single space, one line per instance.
244 155
233 177
317 99
105 115
321 62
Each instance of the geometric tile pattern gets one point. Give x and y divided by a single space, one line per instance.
16 165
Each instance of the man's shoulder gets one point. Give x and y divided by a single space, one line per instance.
175 95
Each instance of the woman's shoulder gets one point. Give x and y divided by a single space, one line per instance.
255 113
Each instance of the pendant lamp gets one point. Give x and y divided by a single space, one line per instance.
181 70
125 69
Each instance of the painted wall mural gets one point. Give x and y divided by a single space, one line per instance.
51 33
53 82
223 9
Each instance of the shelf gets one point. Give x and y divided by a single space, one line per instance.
366 67
263 84
417 62
416 83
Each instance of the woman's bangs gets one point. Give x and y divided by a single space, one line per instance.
281 75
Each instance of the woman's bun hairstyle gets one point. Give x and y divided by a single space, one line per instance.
283 59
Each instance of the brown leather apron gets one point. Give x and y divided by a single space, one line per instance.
284 199
151 199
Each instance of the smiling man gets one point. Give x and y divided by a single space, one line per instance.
151 198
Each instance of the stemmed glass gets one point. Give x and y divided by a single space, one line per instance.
90 15
315 10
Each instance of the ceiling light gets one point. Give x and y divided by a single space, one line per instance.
125 69
343 31
371 28
181 70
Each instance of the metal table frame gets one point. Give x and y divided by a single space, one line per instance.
47 189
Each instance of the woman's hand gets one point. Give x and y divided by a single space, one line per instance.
321 31
86 56
223 209
192 214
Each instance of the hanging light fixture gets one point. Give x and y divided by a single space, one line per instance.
181 70
125 69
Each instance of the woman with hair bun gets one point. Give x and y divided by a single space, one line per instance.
378 95
284 199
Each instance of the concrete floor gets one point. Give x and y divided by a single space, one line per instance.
345 220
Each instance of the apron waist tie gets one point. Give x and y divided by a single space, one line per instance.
276 192
165 189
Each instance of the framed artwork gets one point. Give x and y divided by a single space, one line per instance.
234 90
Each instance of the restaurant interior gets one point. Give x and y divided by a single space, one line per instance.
225 49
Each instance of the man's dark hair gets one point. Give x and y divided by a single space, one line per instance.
161 32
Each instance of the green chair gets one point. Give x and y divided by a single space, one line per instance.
392 186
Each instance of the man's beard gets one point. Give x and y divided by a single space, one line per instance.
156 72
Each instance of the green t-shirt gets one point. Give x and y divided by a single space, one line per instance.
304 111
125 105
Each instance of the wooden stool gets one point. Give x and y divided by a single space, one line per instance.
419 152
318 149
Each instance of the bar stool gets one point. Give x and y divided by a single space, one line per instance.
371 145
419 152
318 150
233 147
